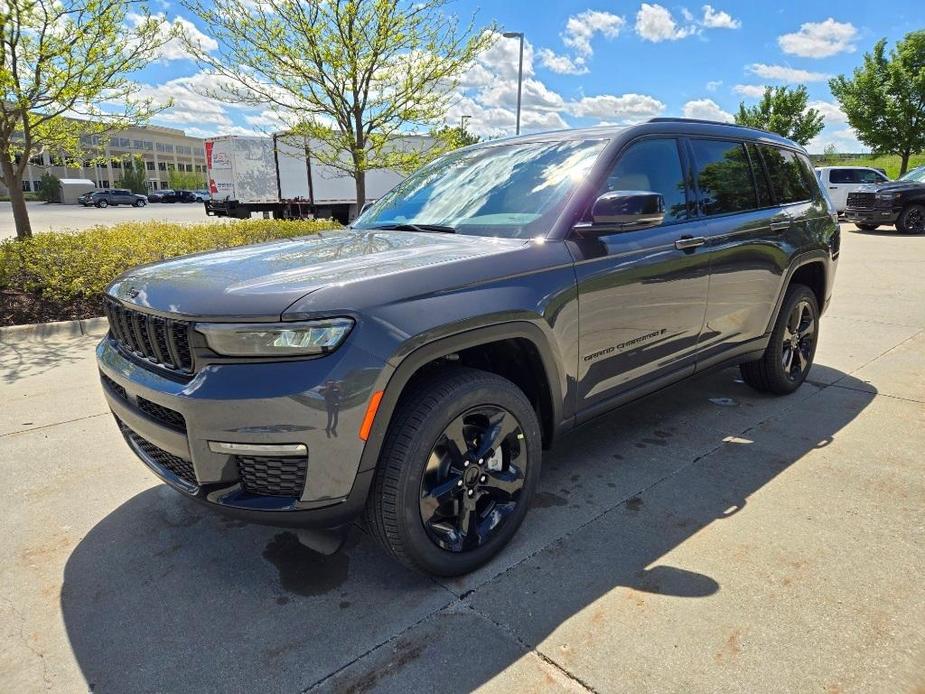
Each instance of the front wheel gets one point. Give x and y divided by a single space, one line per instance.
912 219
102 203
790 351
866 227
457 471
140 203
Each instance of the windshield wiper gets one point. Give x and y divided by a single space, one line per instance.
408 226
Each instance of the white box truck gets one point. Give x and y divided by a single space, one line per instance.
278 175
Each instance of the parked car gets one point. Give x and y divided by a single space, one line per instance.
838 181
159 195
202 195
114 196
900 203
414 366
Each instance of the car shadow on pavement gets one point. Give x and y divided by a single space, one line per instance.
165 595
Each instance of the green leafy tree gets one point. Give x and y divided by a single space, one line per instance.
885 98
50 187
62 61
784 111
830 154
134 175
185 180
449 138
352 75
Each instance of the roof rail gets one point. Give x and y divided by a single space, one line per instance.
675 119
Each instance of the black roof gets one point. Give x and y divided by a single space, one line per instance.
673 126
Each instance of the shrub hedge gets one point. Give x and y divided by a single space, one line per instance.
62 275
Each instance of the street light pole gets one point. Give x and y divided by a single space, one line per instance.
520 69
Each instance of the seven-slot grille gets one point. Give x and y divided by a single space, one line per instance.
272 476
862 199
162 341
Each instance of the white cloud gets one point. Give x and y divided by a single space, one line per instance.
845 141
782 73
174 48
625 108
581 28
655 23
830 111
562 64
713 85
751 91
706 109
717 19
820 39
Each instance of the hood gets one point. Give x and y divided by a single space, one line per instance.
258 282
890 187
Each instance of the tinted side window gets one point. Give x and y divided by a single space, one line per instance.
786 174
652 165
761 180
843 176
868 176
723 176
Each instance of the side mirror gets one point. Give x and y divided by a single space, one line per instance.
628 209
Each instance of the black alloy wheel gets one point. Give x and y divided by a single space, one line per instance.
473 479
799 341
912 219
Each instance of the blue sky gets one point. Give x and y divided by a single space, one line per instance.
613 62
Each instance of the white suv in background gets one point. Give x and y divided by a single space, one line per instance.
838 181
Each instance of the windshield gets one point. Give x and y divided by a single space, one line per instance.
916 175
509 190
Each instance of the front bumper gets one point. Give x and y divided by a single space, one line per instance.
169 422
871 215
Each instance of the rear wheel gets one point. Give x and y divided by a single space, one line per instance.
790 351
866 227
457 471
912 219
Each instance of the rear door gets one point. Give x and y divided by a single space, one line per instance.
641 293
745 240
840 183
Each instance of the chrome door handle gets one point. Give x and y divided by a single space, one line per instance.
780 226
686 242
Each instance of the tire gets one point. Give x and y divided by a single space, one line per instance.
138 203
418 460
866 227
771 373
102 203
912 220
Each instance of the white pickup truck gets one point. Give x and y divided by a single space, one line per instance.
838 181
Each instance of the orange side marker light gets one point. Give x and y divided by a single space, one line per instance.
371 410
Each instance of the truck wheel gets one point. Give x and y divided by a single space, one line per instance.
912 219
102 203
457 471
866 227
789 354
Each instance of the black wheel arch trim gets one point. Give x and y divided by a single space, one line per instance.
815 256
426 354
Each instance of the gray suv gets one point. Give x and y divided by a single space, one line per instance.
412 367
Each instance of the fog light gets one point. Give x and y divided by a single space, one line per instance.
280 449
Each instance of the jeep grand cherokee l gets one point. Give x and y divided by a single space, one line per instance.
412 367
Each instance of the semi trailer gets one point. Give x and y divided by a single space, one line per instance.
280 177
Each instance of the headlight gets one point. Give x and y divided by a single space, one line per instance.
276 339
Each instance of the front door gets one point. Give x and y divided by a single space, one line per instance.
641 294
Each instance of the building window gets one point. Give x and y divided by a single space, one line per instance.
27 186
161 166
116 164
149 165
170 167
104 183
36 186
38 160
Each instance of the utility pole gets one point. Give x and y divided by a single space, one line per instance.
520 69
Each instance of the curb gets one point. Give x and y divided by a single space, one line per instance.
86 327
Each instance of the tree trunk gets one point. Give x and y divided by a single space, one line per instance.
13 181
361 190
904 163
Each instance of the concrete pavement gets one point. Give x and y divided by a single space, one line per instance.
707 538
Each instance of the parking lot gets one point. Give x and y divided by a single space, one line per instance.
707 538
54 217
